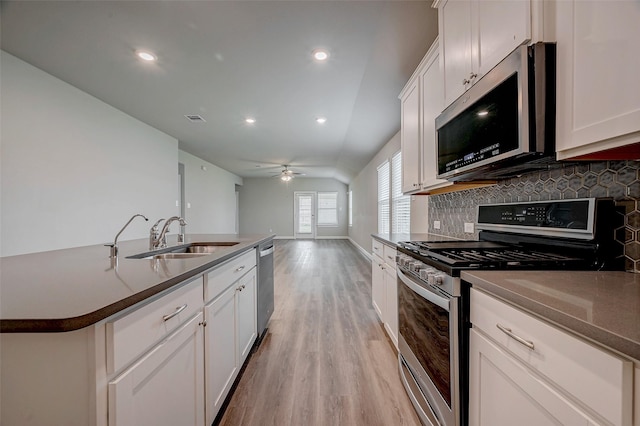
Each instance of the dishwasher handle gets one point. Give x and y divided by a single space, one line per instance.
267 251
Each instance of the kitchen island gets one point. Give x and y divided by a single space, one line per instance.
89 340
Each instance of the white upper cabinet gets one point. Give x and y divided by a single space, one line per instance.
432 103
410 137
598 95
475 35
421 101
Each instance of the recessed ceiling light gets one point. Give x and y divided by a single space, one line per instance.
249 120
146 56
320 55
483 113
321 120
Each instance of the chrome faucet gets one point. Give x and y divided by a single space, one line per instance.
160 240
113 253
154 232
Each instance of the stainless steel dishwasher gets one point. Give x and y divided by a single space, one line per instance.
265 287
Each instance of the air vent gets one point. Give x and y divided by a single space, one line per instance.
195 119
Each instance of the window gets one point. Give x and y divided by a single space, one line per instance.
327 209
350 208
383 198
401 204
394 209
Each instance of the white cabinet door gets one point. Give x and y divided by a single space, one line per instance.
498 28
410 137
246 315
220 350
475 36
454 20
391 312
432 97
503 392
166 386
377 285
598 97
230 334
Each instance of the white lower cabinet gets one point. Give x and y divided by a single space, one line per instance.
165 387
525 371
504 392
377 285
229 336
391 304
384 287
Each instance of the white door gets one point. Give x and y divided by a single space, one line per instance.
304 217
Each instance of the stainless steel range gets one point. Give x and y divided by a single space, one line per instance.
433 304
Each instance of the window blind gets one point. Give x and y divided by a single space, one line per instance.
383 198
327 208
401 204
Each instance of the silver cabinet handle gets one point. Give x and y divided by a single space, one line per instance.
390 257
176 312
239 269
517 338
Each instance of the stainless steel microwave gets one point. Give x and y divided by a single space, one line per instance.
504 125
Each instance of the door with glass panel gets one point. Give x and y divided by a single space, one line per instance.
304 215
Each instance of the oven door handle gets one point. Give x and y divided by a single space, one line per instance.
431 296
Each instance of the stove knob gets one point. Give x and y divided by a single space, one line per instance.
415 265
436 279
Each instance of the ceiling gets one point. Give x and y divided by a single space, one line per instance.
229 60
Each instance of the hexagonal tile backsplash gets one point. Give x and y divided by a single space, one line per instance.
619 180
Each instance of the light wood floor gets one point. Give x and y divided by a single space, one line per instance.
326 359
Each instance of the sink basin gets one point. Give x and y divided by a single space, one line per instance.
203 248
175 255
185 251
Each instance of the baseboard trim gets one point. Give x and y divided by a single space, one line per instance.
332 238
363 251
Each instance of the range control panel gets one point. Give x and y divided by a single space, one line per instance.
568 214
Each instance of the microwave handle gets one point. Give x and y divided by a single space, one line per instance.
432 297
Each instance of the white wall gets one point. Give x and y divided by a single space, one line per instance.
210 192
74 169
266 205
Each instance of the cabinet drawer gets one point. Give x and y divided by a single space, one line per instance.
226 274
378 248
129 336
390 256
597 378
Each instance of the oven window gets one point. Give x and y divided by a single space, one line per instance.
425 328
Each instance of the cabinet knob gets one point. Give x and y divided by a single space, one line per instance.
472 75
465 81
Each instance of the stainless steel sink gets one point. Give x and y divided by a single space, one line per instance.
175 255
185 251
203 248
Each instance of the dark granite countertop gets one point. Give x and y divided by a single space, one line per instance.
603 307
64 290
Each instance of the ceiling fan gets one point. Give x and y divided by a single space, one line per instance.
287 174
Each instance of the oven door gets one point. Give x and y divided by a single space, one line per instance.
428 344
